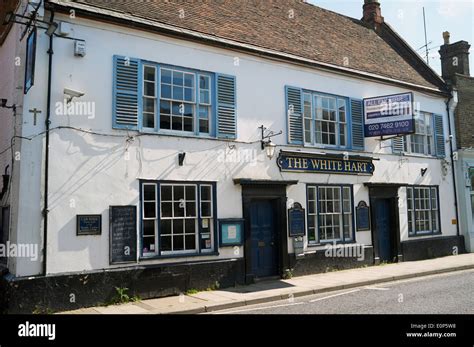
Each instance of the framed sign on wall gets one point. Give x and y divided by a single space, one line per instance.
231 232
363 216
296 220
88 224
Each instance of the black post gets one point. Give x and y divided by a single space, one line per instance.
46 160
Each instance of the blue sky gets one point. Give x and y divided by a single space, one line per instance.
406 17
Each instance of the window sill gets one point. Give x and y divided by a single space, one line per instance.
329 147
176 134
417 155
190 135
315 245
177 256
424 234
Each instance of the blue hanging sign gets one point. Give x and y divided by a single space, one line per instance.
298 162
388 115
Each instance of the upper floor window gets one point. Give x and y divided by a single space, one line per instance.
422 141
325 120
149 96
320 119
185 100
428 138
173 100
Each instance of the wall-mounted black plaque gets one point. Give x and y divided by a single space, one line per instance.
123 234
363 216
296 220
88 224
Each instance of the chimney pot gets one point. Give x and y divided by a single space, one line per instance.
372 13
446 36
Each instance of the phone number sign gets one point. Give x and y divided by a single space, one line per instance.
389 115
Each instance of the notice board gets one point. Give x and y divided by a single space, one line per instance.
123 234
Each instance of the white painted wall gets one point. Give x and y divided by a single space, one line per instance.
88 173
12 63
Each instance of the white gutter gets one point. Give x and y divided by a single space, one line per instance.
129 17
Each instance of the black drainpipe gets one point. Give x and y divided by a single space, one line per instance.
452 165
46 159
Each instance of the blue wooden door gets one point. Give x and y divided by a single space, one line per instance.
262 235
382 227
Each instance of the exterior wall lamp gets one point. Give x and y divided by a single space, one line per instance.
266 141
181 157
269 149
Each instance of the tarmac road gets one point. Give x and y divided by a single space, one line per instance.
451 293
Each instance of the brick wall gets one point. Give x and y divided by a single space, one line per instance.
464 116
7 6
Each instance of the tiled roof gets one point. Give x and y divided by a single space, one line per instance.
289 26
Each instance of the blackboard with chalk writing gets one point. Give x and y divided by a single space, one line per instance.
123 234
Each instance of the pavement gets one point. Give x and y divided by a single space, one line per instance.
420 295
275 290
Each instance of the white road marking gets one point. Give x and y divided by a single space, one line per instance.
286 305
376 288
332 296
260 308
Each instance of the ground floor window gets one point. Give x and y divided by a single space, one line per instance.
423 211
329 214
177 218
471 177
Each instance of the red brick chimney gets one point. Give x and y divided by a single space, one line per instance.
372 13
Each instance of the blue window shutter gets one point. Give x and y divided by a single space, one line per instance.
294 112
357 124
126 87
439 136
398 145
226 107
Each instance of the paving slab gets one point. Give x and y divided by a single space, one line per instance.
215 296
